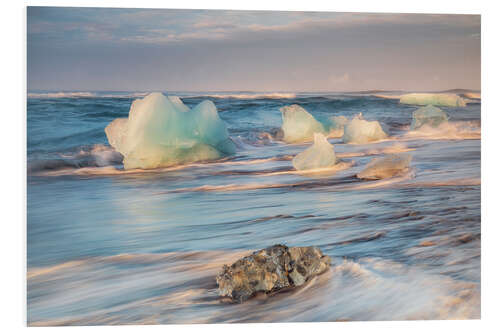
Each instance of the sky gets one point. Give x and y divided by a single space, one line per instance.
91 49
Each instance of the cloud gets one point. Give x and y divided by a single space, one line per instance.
249 50
160 26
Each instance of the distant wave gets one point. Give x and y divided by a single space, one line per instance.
86 94
251 96
77 94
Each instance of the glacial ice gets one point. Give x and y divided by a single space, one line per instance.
359 130
319 155
473 95
299 125
428 115
385 167
433 99
336 126
162 131
338 122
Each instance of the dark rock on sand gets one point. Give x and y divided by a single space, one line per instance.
272 269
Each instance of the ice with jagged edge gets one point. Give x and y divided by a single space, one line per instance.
336 126
433 99
386 167
320 155
360 131
428 115
299 125
161 131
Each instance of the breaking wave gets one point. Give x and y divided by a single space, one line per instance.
457 130
251 96
77 94
370 288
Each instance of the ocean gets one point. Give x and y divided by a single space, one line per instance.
107 245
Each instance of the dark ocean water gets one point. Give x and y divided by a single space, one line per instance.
109 246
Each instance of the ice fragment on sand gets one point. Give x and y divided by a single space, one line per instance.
320 155
386 167
359 130
299 125
433 99
162 131
428 115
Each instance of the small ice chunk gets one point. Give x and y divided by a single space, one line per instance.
433 99
338 122
162 131
319 155
359 130
473 95
386 167
299 125
428 115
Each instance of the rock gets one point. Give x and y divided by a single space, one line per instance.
272 269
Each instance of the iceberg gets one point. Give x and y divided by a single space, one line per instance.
161 131
433 99
385 167
319 155
338 122
428 115
359 130
336 128
473 95
299 125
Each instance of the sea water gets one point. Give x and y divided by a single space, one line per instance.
109 245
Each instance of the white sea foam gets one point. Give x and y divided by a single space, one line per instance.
275 95
75 94
396 148
456 130
370 288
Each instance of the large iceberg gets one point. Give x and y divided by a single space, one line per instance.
432 99
319 155
299 125
386 167
359 130
162 131
428 115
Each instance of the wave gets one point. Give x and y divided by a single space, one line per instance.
76 94
457 130
339 166
87 94
394 149
96 156
103 160
275 95
387 96
95 291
